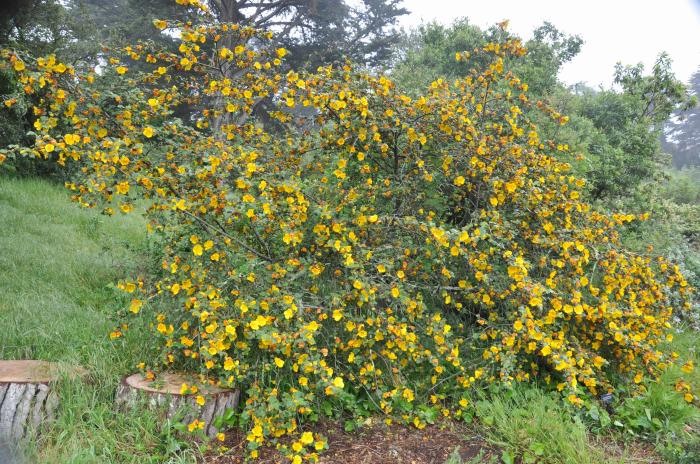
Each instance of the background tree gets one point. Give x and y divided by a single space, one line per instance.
131 21
321 31
682 139
427 52
624 150
41 27
37 27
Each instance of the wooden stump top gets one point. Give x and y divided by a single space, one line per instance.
171 383
28 371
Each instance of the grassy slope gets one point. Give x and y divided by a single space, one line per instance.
57 267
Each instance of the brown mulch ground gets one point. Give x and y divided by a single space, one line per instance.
630 452
378 443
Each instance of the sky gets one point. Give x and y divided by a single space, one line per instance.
630 31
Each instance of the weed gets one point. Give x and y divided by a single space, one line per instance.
534 426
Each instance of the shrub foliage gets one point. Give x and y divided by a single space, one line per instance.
356 249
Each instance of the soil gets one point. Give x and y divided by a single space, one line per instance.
378 443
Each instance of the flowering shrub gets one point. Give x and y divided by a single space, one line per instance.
354 249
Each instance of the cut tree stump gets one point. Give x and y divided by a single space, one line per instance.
163 394
27 401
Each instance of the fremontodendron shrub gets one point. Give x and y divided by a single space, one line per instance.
333 245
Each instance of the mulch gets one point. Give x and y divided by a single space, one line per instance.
378 443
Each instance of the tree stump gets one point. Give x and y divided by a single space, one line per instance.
27 401
163 394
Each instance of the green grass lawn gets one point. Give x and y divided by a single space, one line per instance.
58 265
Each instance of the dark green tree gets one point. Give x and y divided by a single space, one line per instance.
37 27
131 21
314 31
41 27
321 31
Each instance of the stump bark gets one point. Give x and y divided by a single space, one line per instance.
27 401
163 395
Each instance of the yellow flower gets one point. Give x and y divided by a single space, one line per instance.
260 321
306 438
193 425
135 306
123 188
338 382
121 69
316 269
687 367
148 132
279 363
200 400
459 180
197 250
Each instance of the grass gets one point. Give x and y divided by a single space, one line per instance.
528 423
58 264
57 269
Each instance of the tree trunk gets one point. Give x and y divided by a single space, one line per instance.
163 395
27 401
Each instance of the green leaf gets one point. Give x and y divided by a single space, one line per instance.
507 457
537 448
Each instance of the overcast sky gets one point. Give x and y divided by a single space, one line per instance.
630 31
